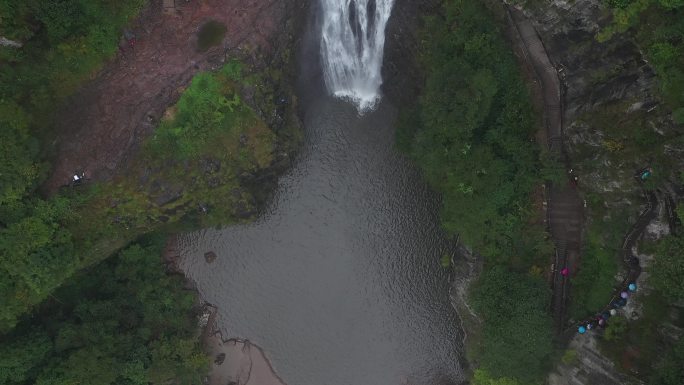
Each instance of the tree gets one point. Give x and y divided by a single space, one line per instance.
63 42
123 322
668 268
658 27
517 328
616 329
680 212
472 131
481 377
20 358
671 370
19 170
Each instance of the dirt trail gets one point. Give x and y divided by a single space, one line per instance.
104 122
565 215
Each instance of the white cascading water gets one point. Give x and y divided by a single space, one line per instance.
352 44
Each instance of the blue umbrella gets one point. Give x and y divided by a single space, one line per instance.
582 330
632 286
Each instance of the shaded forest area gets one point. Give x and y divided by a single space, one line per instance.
471 134
124 321
62 44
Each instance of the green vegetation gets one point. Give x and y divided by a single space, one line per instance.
658 26
481 377
69 314
636 345
653 353
671 370
569 357
472 134
644 345
595 282
190 169
630 140
616 329
517 334
445 261
124 321
668 268
63 43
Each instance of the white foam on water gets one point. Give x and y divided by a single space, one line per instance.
352 44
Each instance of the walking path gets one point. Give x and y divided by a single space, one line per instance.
564 205
628 256
563 202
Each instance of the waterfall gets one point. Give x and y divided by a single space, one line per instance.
352 43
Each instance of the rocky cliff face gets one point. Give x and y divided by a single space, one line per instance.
402 77
104 123
615 123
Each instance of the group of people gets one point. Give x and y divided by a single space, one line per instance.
619 301
128 40
601 320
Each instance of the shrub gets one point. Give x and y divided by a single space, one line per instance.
517 328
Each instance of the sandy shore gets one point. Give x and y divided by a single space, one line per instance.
235 361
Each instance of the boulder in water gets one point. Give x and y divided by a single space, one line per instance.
210 256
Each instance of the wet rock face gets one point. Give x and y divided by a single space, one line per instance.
591 366
594 73
401 75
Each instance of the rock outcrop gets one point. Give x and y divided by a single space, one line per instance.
614 125
607 85
104 123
